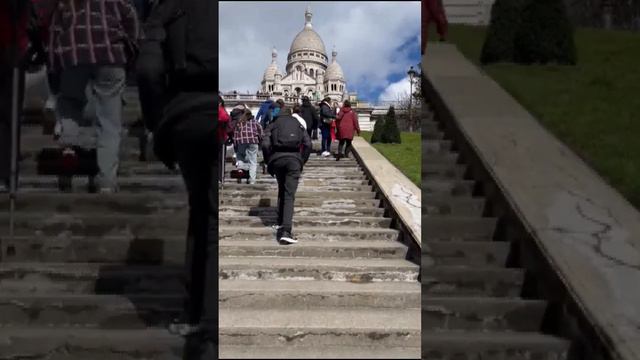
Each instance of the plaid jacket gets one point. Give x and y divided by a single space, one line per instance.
101 32
249 132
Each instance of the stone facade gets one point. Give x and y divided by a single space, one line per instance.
308 71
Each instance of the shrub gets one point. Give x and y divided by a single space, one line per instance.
391 132
499 43
545 34
378 128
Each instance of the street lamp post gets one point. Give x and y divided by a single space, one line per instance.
412 73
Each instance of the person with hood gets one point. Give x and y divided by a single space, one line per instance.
346 125
264 113
309 114
297 113
286 148
277 106
327 117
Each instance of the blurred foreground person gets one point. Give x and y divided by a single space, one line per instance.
178 66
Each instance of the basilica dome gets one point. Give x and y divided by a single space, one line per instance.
334 70
308 39
272 69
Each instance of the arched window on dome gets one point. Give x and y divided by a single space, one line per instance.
311 72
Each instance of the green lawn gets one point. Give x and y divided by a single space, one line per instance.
593 107
406 156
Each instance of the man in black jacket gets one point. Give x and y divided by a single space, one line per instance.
327 116
309 114
178 67
286 163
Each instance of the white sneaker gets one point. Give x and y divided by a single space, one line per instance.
287 240
326 153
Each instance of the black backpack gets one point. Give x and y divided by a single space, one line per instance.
287 134
192 46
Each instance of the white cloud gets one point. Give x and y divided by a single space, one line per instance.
366 35
396 90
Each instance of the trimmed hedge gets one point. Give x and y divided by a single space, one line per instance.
499 44
391 132
545 34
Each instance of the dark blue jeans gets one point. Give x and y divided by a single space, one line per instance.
326 137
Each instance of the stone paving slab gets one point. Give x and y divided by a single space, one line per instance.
588 230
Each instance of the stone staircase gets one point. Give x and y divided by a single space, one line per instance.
471 304
344 291
91 276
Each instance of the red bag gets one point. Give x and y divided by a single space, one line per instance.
223 124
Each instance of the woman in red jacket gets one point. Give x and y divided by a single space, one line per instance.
346 126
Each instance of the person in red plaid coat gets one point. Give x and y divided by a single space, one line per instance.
247 135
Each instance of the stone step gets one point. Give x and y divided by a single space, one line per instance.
430 126
471 281
122 202
302 193
89 278
271 200
89 311
303 234
318 352
345 327
124 249
477 253
448 158
448 187
307 221
433 205
448 228
436 146
308 181
127 184
83 344
32 144
443 171
301 294
450 345
336 269
379 249
482 314
302 186
229 210
96 224
430 135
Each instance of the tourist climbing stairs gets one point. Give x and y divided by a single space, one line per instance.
92 276
344 290
472 303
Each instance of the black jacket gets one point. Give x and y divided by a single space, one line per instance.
310 115
267 150
326 113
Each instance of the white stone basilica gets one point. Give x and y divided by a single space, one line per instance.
308 70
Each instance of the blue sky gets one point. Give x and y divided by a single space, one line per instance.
376 41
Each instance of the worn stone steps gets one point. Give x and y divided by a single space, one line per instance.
318 352
481 314
308 221
303 211
271 200
310 192
379 249
304 234
336 269
89 278
434 205
443 171
457 280
472 305
89 311
448 187
438 345
344 327
273 187
45 343
449 228
436 146
477 253
302 294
